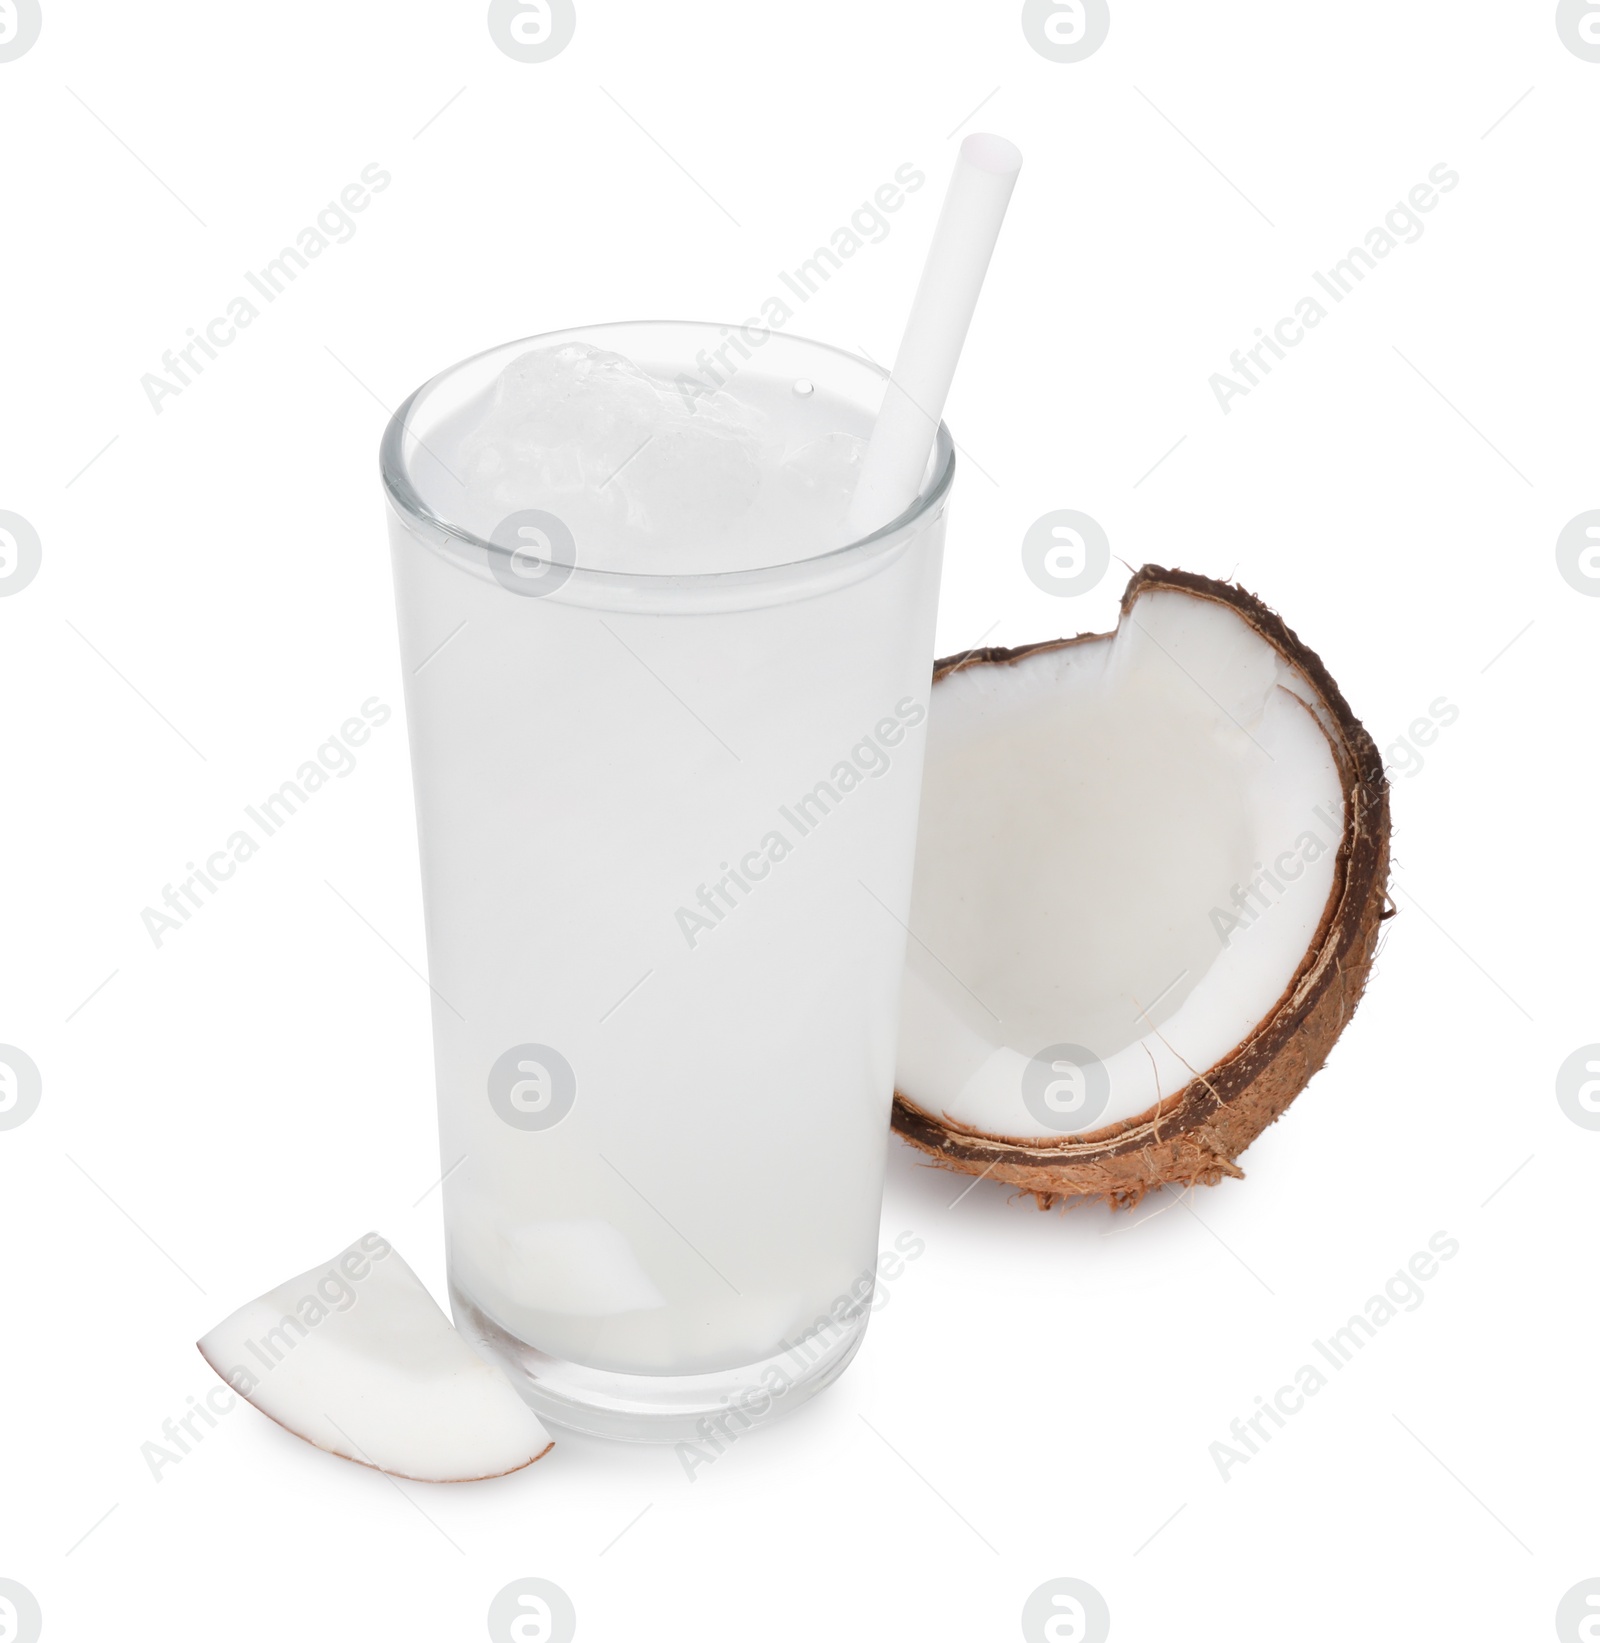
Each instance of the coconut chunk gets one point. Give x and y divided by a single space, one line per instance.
1150 875
356 1357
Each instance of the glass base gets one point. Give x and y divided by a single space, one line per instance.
709 1411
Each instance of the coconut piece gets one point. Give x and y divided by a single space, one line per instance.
356 1357
1151 873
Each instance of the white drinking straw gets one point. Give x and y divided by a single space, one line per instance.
913 401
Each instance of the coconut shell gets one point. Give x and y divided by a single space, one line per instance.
1195 1136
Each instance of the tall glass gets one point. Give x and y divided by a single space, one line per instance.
666 827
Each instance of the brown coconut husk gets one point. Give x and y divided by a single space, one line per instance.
1195 1136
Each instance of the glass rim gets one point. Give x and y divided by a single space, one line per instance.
408 504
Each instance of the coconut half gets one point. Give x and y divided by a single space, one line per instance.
1150 878
357 1358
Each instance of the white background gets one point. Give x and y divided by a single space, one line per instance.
1042 1390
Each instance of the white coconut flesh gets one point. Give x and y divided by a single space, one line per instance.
1127 847
357 1358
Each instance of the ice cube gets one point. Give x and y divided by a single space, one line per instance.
820 476
560 420
691 477
592 436
583 1268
